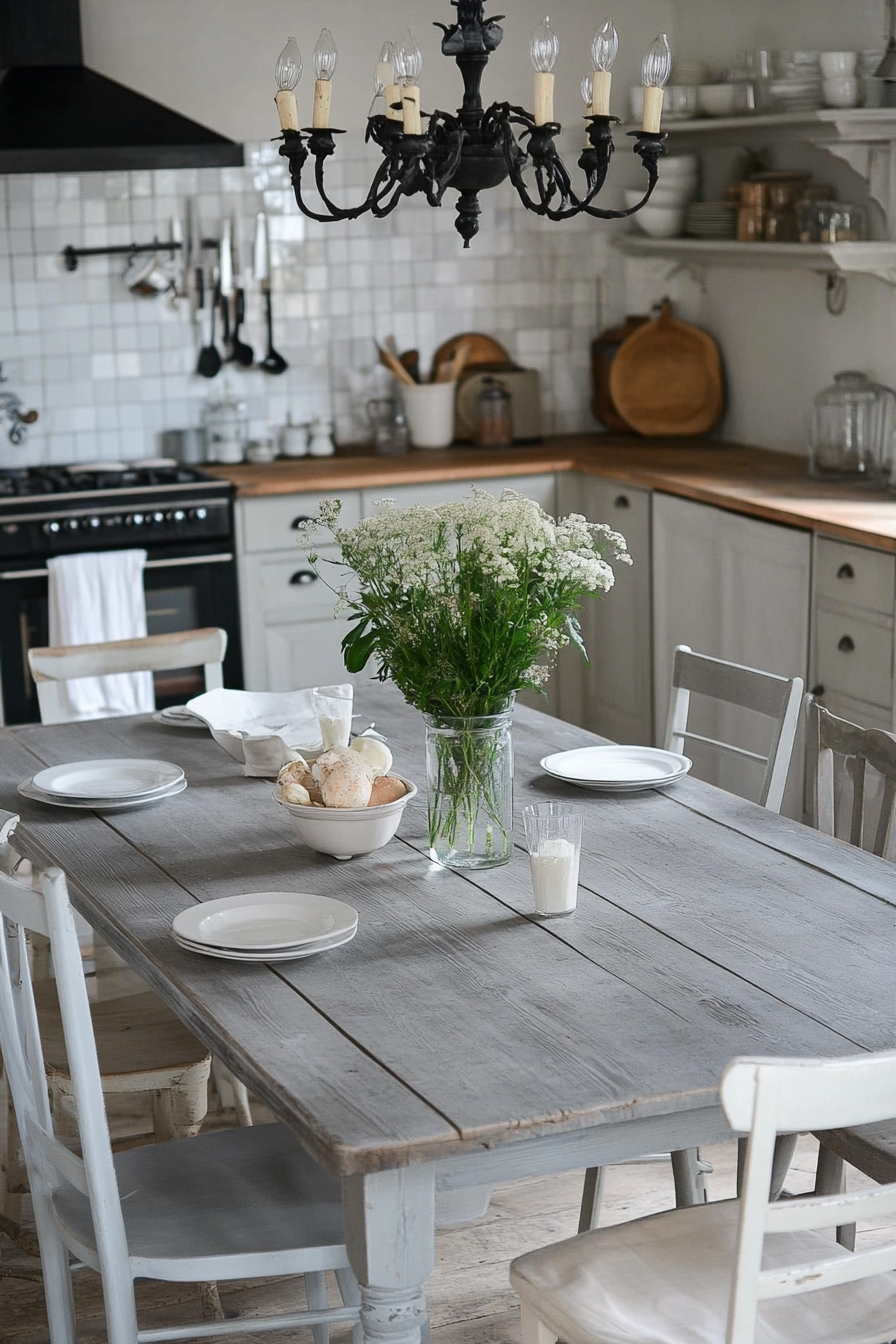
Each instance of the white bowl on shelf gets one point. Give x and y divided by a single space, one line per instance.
678 165
660 221
344 832
664 194
717 100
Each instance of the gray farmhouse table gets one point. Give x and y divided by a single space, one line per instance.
458 1040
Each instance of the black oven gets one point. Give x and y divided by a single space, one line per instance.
186 527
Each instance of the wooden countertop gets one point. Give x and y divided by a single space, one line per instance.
732 476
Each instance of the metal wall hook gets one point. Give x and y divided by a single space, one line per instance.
835 292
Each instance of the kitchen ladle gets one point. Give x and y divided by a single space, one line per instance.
240 352
272 362
209 361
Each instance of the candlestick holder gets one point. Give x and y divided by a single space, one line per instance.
473 150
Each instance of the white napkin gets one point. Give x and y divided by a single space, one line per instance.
94 597
264 729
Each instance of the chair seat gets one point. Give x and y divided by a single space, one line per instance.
276 1200
134 1035
666 1279
869 1148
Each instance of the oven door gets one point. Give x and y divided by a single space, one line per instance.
184 590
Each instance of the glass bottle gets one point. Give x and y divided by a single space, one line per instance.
852 429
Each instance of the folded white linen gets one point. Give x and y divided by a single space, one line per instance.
93 597
265 729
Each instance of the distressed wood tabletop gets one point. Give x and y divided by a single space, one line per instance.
456 1021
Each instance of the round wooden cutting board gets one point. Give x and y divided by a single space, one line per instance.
666 378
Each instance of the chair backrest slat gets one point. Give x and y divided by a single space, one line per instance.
768 1097
152 653
776 698
831 737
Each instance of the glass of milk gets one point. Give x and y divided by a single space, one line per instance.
334 715
554 838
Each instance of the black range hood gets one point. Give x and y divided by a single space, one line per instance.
58 116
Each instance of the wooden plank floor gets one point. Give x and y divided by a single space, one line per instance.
469 1297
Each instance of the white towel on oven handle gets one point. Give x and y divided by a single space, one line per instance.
93 597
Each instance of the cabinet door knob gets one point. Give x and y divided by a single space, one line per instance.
846 644
621 502
302 577
846 572
817 690
302 519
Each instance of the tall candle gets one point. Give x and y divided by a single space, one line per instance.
287 110
393 102
544 98
653 108
600 101
320 116
543 50
410 109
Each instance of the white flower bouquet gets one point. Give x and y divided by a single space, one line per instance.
463 605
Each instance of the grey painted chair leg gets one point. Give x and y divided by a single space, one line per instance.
351 1296
830 1179
690 1187
592 1196
785 1146
316 1294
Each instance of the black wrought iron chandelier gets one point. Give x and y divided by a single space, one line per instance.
477 148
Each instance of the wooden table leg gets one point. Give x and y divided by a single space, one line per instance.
390 1236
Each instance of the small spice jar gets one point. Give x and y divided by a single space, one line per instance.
751 212
494 423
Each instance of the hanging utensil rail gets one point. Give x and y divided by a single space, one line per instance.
71 254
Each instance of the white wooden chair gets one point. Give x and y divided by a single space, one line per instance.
775 698
153 653
839 748
239 1203
741 1271
778 700
142 1047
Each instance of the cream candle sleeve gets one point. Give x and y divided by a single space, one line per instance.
393 97
320 117
287 110
544 98
600 100
653 108
410 107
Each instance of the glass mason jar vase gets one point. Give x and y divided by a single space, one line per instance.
469 775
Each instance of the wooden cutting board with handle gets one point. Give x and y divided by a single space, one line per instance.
666 379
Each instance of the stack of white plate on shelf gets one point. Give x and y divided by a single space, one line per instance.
265 926
105 785
711 219
617 769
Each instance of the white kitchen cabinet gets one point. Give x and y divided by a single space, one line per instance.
736 588
612 695
541 488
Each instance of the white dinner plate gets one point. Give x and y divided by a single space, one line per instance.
620 769
265 920
27 790
120 777
284 954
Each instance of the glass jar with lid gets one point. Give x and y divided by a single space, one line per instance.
852 429
226 425
494 423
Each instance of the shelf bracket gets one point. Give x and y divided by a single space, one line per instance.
875 162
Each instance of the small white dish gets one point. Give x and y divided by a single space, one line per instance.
344 832
617 768
717 100
27 790
265 920
118 777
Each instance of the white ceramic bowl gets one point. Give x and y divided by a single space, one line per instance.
347 831
678 165
834 63
660 221
717 100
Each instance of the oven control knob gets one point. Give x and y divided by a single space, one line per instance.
157 517
199 515
112 520
133 520
72 524
177 516
94 522
51 528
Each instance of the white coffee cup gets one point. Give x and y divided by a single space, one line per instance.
837 63
842 91
429 411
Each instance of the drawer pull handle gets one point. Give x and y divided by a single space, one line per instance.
621 502
846 572
846 644
302 519
303 577
818 690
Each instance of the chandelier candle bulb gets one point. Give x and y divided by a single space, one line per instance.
655 71
543 49
288 73
324 60
604 49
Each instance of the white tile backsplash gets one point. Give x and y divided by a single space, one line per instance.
108 371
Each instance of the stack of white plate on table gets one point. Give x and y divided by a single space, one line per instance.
617 769
265 926
105 785
711 219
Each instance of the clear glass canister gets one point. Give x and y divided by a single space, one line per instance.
494 422
852 429
226 425
469 775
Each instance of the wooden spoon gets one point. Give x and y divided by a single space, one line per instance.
448 370
394 364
